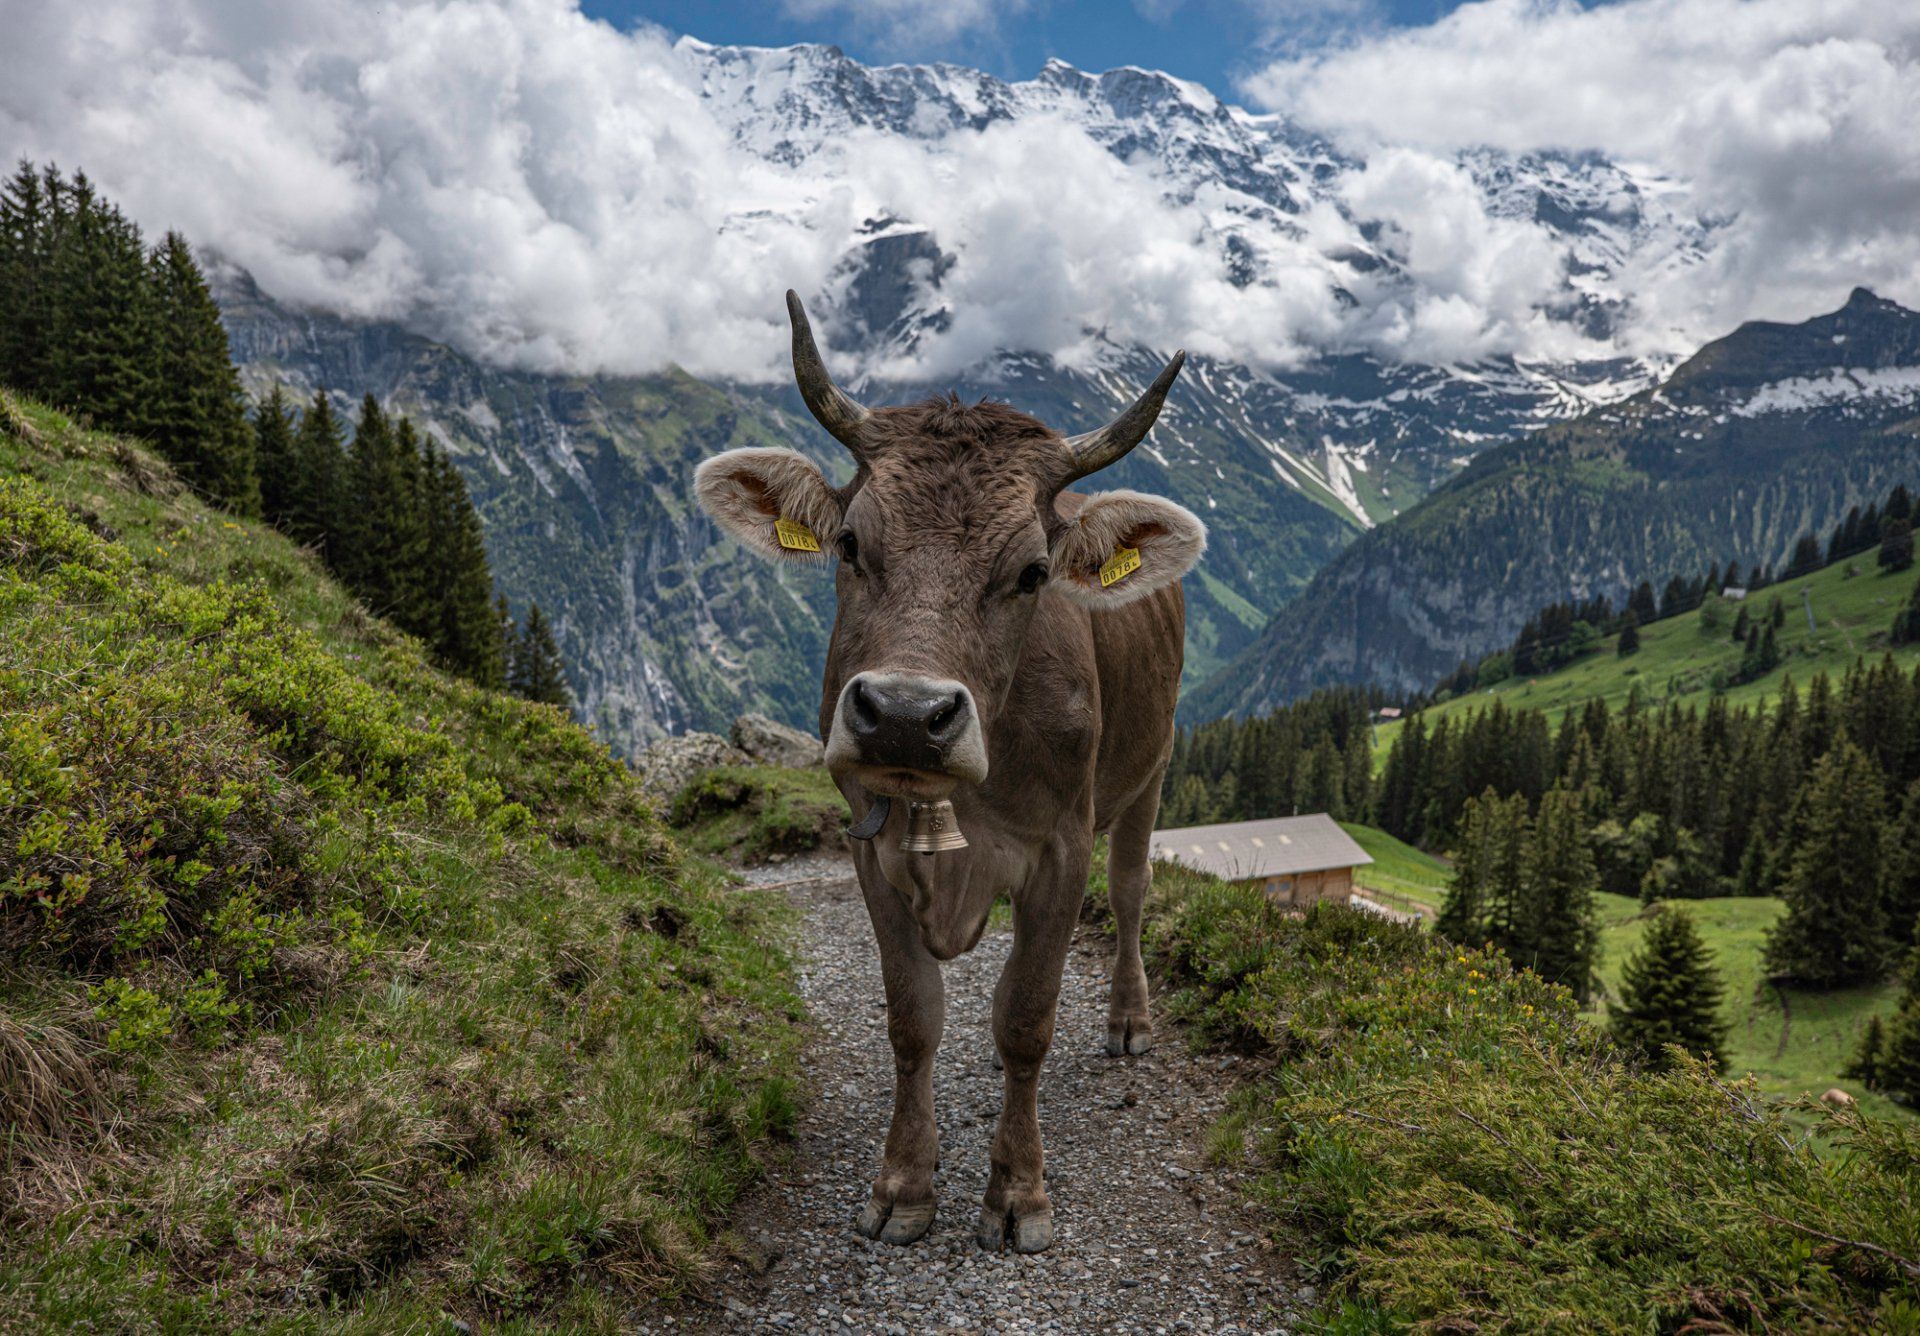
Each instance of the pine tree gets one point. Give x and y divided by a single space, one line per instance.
1834 931
99 356
1642 605
1555 933
1487 870
1629 636
1670 993
536 672
1900 873
466 633
316 514
1895 1067
1678 597
275 459
382 536
194 412
1742 623
1805 559
1864 1066
28 226
1906 622
1755 877
1896 547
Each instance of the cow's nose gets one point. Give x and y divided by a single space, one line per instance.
906 721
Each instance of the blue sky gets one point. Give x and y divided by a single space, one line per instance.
1212 41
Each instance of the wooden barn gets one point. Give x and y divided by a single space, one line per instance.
1299 859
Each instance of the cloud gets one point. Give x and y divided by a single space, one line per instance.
1790 123
545 191
913 24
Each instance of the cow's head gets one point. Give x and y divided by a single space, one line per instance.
948 538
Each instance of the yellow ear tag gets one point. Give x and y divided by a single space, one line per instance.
1119 566
795 536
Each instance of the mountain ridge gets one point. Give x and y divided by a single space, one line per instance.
1766 434
582 479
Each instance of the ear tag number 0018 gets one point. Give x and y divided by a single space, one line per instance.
795 536
1120 565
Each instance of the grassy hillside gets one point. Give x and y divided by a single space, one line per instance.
1701 470
1792 1042
1400 875
1853 606
1475 1158
338 993
754 814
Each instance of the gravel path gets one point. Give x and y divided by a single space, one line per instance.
1150 1239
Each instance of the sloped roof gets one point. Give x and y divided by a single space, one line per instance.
1277 847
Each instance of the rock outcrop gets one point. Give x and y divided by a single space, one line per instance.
771 742
670 764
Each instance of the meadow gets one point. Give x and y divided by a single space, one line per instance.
1853 604
1792 1041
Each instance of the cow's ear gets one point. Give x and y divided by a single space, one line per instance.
1123 546
773 502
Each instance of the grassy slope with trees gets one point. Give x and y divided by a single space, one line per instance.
339 992
1666 482
1791 1041
1854 604
1477 1158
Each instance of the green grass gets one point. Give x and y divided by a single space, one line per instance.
1399 872
752 813
1679 656
1467 1154
1792 1041
338 993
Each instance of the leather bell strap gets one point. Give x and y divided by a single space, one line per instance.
869 825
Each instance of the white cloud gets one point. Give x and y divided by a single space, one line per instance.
1793 122
545 191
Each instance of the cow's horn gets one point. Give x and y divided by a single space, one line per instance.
1096 449
831 406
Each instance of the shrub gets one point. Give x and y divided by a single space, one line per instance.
757 812
321 967
1483 1160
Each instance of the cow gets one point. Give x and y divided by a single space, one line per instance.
1010 648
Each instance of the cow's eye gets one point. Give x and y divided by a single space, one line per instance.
1033 577
849 549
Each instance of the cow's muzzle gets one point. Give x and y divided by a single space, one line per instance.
907 736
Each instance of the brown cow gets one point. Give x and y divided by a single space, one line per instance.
995 645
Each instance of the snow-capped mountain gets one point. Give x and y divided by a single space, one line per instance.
1768 434
1272 199
1289 438
1345 426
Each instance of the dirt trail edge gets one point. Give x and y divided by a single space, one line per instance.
1150 1238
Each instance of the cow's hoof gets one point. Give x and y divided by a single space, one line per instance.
897 1224
1128 1038
1031 1234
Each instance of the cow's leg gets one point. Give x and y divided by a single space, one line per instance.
1023 1011
1129 874
901 1207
